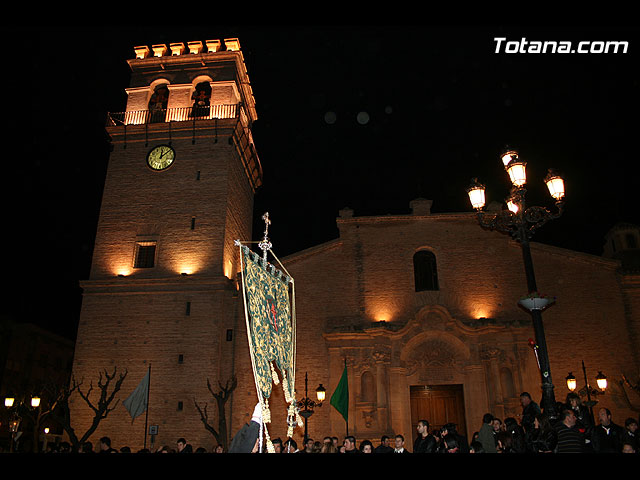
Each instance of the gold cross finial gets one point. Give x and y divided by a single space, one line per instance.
265 244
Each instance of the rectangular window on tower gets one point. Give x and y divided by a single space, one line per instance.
145 255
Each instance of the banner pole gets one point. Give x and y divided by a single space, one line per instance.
146 417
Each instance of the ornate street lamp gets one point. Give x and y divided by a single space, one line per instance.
306 405
521 221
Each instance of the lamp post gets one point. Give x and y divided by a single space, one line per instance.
16 419
306 405
588 390
521 221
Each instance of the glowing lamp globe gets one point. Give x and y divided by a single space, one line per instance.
555 184
517 171
509 156
601 380
321 393
476 194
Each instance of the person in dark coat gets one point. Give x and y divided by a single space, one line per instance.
461 441
543 438
399 445
424 442
529 411
246 440
105 446
384 446
630 436
183 446
518 439
584 420
607 437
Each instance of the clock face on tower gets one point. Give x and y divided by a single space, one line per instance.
161 157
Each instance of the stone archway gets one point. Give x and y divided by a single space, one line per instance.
440 373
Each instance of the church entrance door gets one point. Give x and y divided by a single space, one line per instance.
439 405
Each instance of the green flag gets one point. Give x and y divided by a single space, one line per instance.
340 397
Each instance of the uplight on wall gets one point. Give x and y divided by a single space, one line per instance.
186 267
228 269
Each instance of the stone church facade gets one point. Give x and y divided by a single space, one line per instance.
421 308
467 334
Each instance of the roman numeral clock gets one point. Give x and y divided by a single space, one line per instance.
161 157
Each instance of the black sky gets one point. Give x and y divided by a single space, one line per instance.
441 104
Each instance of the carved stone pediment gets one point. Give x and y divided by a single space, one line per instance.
489 352
436 355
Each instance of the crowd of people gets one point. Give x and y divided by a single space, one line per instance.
573 430
104 446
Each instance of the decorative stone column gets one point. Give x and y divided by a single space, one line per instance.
381 359
491 356
400 401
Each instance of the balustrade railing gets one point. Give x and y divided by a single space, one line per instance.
182 114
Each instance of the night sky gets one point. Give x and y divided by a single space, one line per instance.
368 117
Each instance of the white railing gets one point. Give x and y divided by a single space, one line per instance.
183 114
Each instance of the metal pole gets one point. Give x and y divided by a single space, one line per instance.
306 417
548 397
146 416
588 389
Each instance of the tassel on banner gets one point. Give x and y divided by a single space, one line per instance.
299 418
274 375
266 413
285 387
270 447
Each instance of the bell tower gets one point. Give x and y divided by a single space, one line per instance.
179 190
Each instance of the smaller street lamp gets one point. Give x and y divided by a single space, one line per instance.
15 420
572 383
306 405
321 393
601 381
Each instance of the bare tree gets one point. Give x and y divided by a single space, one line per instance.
221 397
60 411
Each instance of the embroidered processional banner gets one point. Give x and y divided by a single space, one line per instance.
270 331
